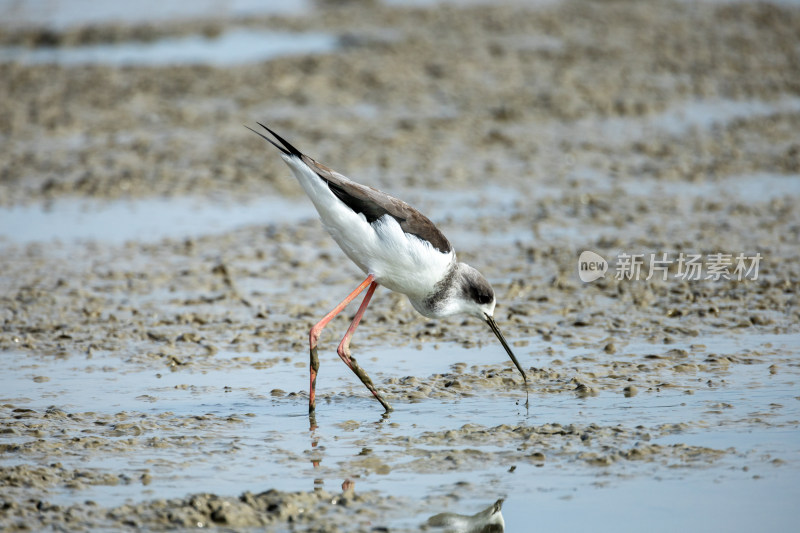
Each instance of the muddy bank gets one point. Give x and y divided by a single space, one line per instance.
160 380
311 511
450 96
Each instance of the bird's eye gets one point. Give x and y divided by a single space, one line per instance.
480 294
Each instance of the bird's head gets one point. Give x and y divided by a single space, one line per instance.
473 295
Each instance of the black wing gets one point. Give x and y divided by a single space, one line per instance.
370 202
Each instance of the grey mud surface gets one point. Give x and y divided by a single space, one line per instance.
159 380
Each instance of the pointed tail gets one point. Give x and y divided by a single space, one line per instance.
287 148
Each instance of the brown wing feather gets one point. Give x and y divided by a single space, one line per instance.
374 204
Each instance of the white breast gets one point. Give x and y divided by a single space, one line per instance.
401 262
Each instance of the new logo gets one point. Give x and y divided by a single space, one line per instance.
591 266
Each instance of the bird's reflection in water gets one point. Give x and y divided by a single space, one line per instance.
490 520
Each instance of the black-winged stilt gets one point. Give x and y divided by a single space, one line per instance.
397 247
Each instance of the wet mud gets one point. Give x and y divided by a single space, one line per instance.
160 381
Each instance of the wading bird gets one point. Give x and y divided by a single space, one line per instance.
396 246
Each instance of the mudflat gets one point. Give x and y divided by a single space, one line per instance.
160 270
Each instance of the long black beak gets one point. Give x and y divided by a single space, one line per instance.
493 325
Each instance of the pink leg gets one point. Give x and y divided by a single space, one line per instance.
313 337
344 349
344 346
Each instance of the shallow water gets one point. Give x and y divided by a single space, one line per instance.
72 221
233 47
259 441
68 13
684 118
146 220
